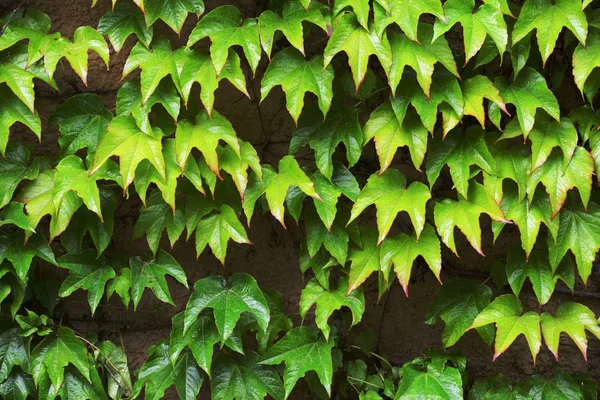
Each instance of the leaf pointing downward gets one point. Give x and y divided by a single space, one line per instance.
406 13
172 12
124 20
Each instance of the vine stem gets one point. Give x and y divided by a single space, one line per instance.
12 15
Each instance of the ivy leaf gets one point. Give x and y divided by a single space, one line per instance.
406 13
13 214
392 127
205 136
201 338
31 25
228 300
303 350
358 43
279 321
156 63
421 56
85 39
402 250
125 139
329 192
237 166
77 386
129 102
296 76
13 110
512 162
20 82
226 28
72 176
559 386
360 7
14 350
365 260
528 92
123 21
15 166
537 268
505 311
115 361
528 218
82 121
20 253
573 319
586 59
390 195
151 274
464 214
158 373
244 378
431 381
549 18
460 151
172 12
486 21
18 386
155 218
216 231
55 353
290 23
578 232
329 301
474 90
120 284
458 303
86 272
558 179
198 67
335 238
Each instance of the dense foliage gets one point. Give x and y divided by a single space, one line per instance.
473 86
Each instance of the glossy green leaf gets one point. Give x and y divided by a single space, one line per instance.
15 166
172 12
124 20
365 260
12 110
406 13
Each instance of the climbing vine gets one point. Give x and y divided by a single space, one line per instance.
468 108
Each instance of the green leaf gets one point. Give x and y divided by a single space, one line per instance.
549 17
82 121
360 7
278 322
474 90
13 110
121 285
205 136
464 215
156 63
123 21
125 139
421 56
528 218
158 373
390 195
573 319
505 311
537 268
217 229
13 214
586 59
558 386
129 102
226 28
200 338
578 232
402 250
115 361
237 165
486 21
558 179
155 218
302 349
172 12
528 92
329 301
86 272
151 274
290 23
20 253
406 13
77 387
459 150
458 303
497 386
297 76
15 167
512 162
14 350
31 25
365 260
18 386
228 301
53 354
198 67
430 382
392 127
358 43
34 324
324 137
240 378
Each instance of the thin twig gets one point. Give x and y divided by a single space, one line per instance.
12 15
